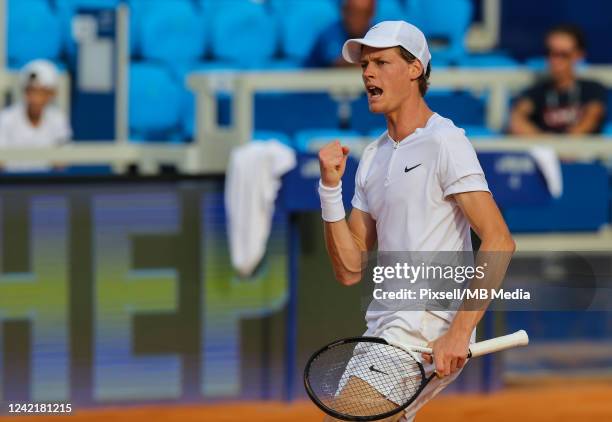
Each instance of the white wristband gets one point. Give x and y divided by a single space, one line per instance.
331 202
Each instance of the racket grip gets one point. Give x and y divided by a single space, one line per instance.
520 338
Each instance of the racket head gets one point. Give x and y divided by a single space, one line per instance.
389 379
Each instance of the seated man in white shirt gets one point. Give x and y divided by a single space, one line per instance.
34 122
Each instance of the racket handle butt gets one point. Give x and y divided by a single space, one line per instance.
519 338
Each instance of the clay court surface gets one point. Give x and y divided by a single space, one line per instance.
523 404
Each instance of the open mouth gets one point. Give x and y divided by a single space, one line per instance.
374 91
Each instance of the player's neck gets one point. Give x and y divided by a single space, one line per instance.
411 116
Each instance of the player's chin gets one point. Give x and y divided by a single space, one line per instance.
377 107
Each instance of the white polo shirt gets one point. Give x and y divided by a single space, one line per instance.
17 131
406 187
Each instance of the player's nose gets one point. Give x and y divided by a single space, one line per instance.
368 70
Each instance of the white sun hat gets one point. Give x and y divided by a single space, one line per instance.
40 73
389 34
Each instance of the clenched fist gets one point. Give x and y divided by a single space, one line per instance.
332 160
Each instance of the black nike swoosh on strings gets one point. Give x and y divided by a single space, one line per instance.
406 170
371 368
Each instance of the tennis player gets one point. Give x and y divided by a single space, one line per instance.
419 187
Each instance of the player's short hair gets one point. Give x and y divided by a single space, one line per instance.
424 78
573 31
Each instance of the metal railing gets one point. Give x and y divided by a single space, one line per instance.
215 142
209 153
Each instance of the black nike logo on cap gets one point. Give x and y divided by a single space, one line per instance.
377 370
406 170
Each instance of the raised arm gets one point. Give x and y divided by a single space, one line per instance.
346 241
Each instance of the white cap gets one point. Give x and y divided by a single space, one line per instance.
389 34
40 73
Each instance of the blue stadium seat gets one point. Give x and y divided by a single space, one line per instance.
389 10
302 23
88 3
138 9
244 34
172 32
75 4
155 102
314 140
34 32
446 21
277 6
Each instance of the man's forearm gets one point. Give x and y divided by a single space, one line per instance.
344 252
531 130
583 127
523 127
591 119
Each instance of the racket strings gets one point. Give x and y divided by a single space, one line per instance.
365 379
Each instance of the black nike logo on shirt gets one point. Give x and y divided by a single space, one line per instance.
406 170
377 370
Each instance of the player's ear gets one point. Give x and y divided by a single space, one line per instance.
416 70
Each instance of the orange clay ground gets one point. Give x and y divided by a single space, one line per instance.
522 404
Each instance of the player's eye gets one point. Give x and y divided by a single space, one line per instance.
364 65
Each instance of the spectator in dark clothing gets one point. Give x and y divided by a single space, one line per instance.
561 103
356 20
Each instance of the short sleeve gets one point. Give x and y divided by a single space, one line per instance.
458 167
471 183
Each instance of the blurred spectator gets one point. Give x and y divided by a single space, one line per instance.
35 121
356 20
561 103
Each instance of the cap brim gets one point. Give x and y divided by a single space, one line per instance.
351 50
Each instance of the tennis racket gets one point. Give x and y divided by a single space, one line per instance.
367 378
